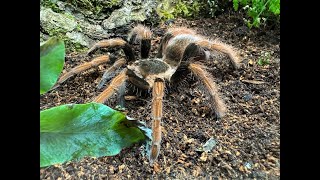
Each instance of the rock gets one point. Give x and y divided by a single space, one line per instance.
128 13
51 21
83 23
86 26
80 38
70 26
247 97
43 37
93 31
209 145
93 9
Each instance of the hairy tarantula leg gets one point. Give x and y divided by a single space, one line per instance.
194 52
207 80
143 35
224 48
121 92
78 69
157 98
163 43
116 42
117 82
172 32
107 75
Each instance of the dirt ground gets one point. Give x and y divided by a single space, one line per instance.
248 137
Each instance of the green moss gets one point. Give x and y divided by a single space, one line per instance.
79 28
69 16
95 6
70 46
112 3
74 47
56 32
51 4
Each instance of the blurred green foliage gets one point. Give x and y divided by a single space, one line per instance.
258 11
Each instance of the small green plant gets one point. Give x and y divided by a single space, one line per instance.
212 7
264 59
187 8
169 9
52 54
73 131
51 4
165 10
259 10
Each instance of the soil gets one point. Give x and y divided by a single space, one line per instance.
248 137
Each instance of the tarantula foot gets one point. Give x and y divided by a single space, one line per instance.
237 66
220 115
154 153
106 77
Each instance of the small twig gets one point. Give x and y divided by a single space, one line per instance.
253 81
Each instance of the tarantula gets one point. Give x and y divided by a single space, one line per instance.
181 51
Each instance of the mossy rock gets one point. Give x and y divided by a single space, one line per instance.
82 23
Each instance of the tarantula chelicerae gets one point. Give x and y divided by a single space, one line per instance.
181 51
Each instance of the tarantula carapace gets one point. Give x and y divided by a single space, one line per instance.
181 51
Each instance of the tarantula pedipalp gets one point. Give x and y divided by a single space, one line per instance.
181 51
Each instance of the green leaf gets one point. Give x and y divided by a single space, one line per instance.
275 7
262 62
244 2
52 54
235 5
72 131
256 22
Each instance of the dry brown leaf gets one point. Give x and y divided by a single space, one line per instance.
195 101
250 62
227 152
241 168
167 170
183 156
111 169
182 170
204 157
190 140
237 153
256 165
197 171
156 168
245 105
188 164
272 159
121 167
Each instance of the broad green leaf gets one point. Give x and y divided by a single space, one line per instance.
52 54
72 131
